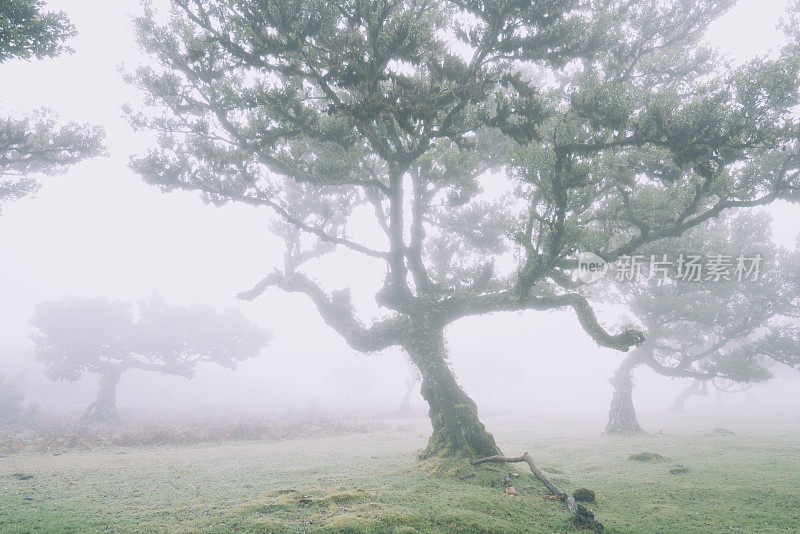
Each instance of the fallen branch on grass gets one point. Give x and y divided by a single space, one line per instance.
581 514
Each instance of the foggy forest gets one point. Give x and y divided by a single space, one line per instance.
400 266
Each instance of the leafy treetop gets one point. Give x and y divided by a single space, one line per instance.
79 335
490 141
27 31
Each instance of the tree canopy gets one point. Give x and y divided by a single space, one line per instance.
36 143
490 142
27 31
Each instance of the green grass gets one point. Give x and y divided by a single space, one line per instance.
747 482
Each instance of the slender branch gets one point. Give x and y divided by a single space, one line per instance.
581 514
288 217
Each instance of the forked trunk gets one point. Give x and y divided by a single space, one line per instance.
457 431
622 414
698 387
104 409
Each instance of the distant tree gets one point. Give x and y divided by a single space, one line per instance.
724 332
11 401
36 143
412 382
473 148
697 387
700 388
78 335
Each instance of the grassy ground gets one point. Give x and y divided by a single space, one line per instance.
746 482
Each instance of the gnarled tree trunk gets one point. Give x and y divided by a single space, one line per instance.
457 431
622 413
104 409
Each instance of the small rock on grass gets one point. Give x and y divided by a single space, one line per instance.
584 495
679 469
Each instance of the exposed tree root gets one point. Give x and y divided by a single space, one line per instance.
99 412
581 515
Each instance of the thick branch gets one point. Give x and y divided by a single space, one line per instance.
396 292
466 305
665 370
414 251
336 311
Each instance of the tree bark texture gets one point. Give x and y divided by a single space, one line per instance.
622 413
457 430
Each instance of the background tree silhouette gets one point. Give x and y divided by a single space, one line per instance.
78 335
12 399
724 330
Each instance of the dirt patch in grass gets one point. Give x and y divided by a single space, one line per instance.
55 437
646 457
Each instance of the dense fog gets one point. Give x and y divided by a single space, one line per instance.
399 266
98 230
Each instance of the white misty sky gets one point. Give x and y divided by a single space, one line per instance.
99 230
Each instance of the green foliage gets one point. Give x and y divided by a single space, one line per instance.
37 143
253 104
27 31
